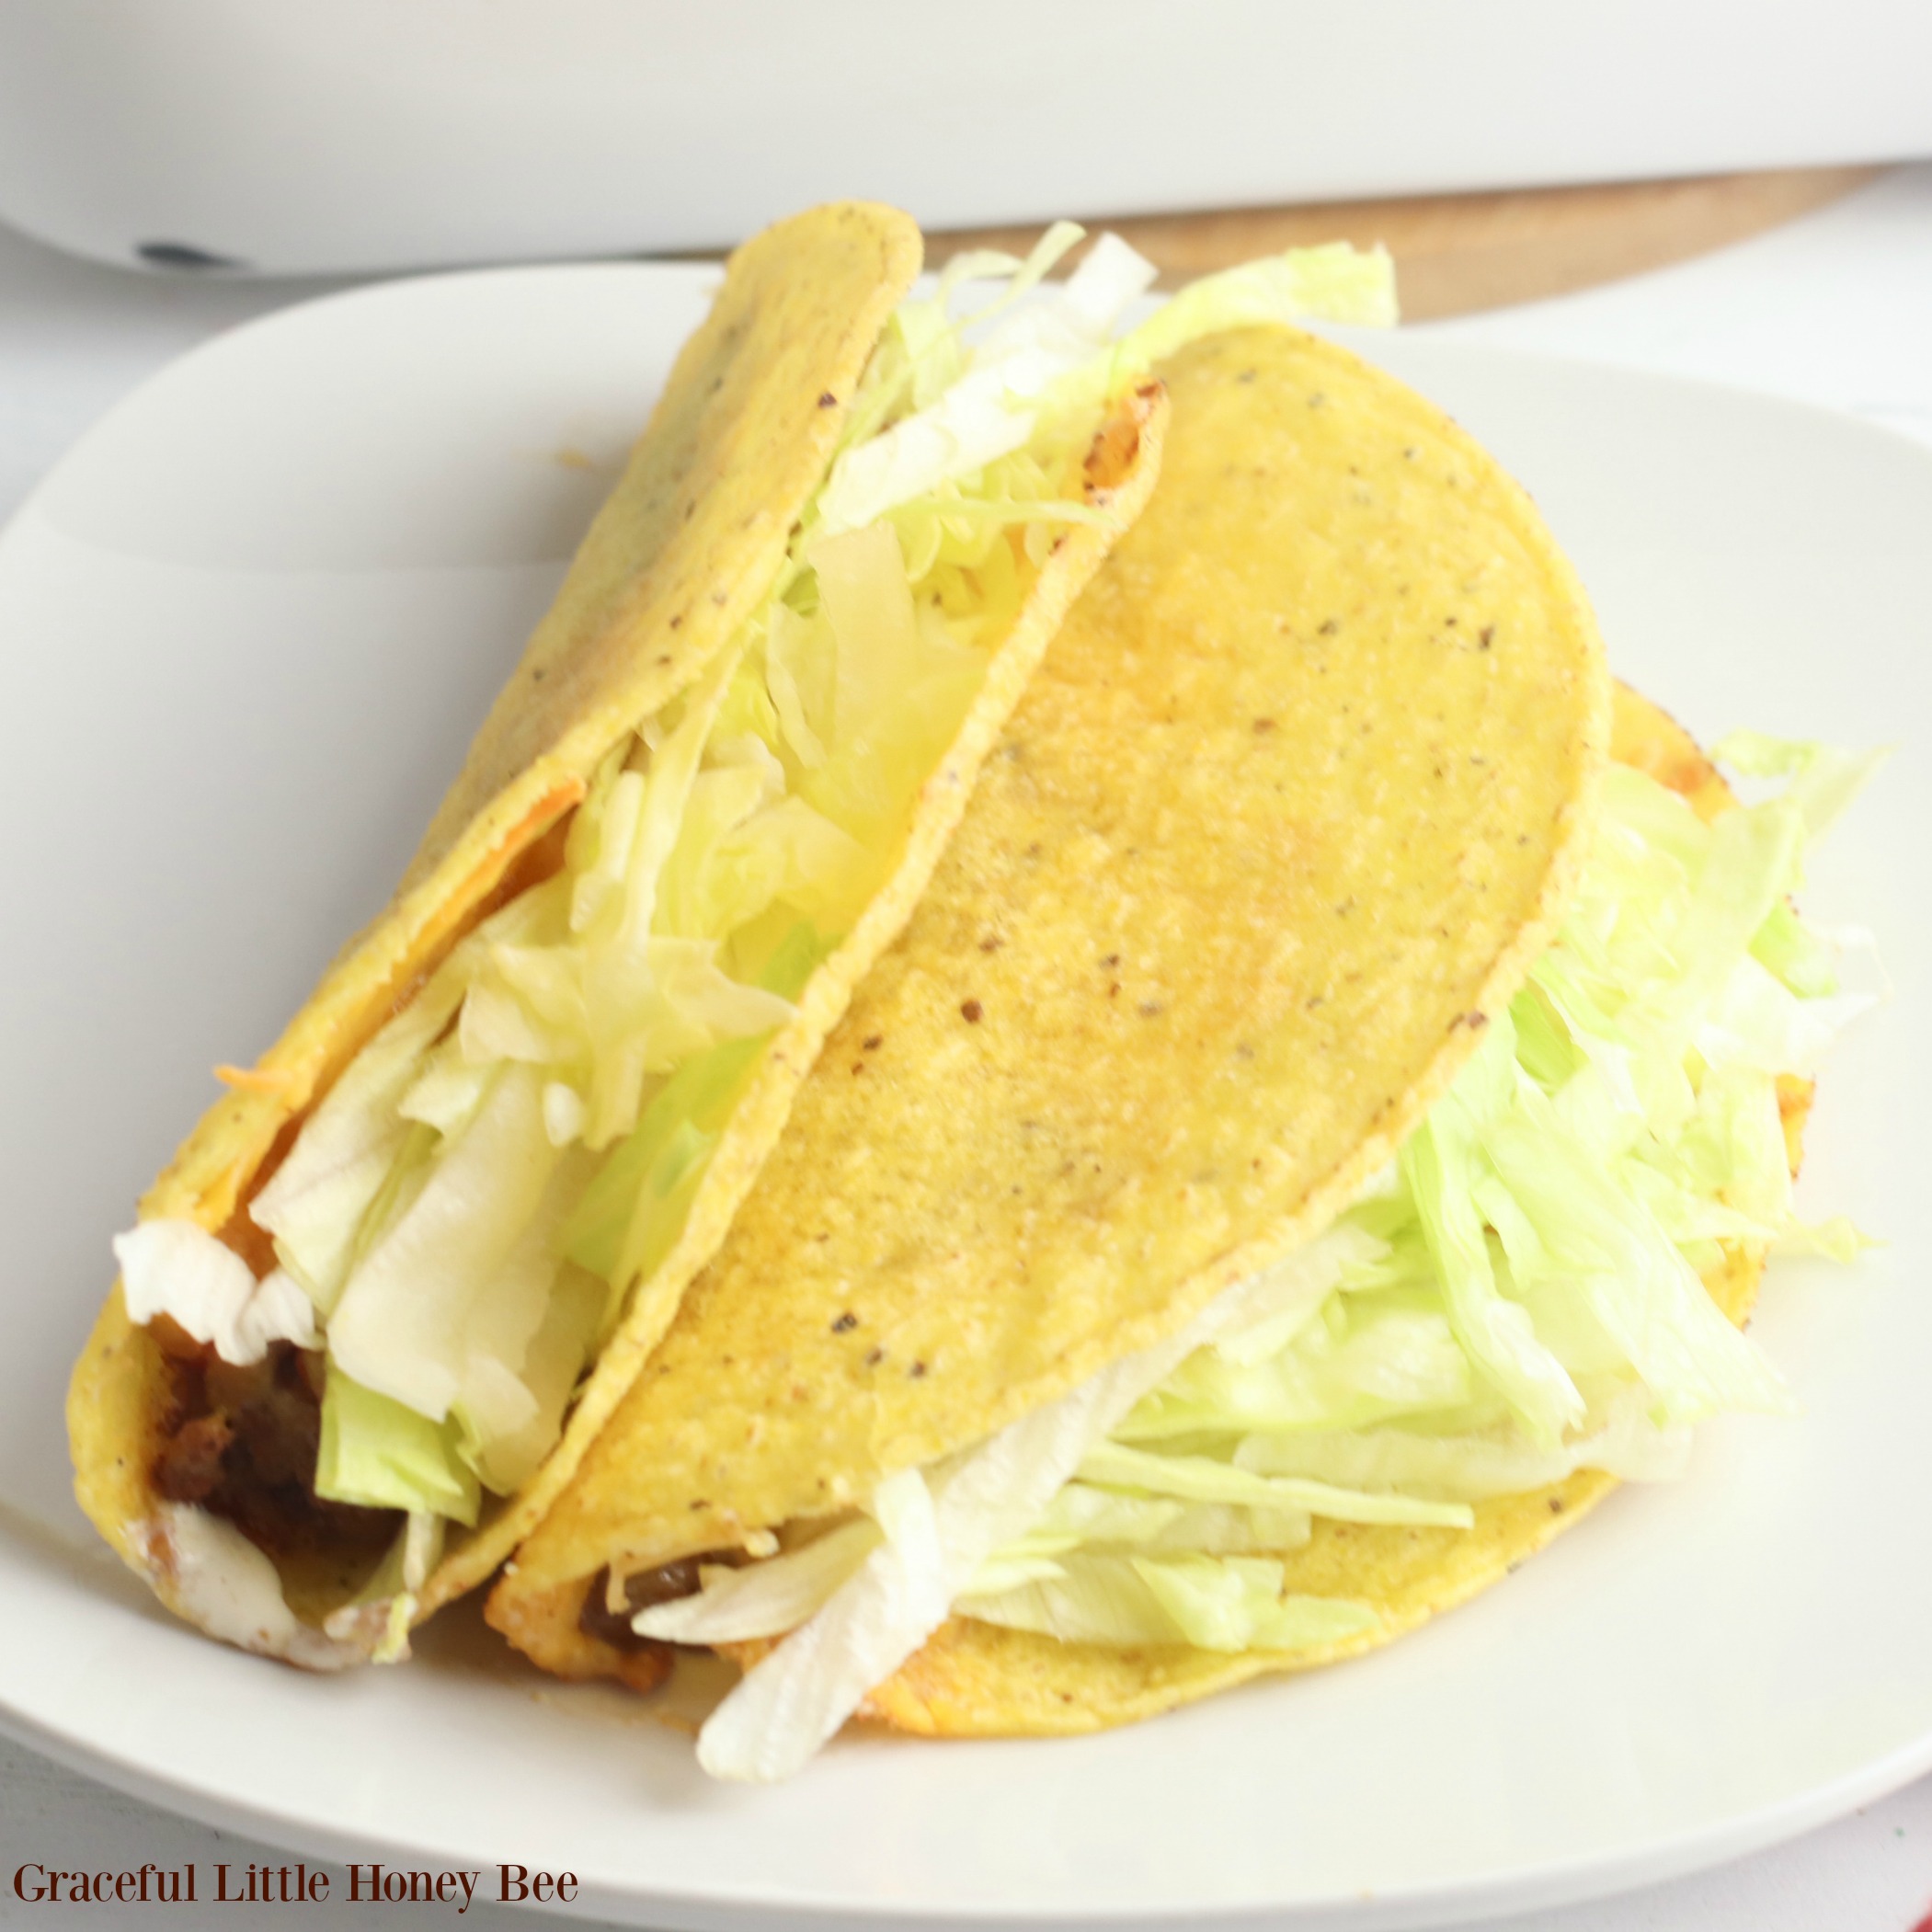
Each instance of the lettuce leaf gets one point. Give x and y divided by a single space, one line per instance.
176 1268
1203 1479
382 1453
1333 282
1235 1603
314 1204
402 1326
765 1599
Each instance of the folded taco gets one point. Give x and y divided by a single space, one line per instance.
391 1286
1307 1143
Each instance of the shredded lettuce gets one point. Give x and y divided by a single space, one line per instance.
974 403
510 1418
647 1165
767 1599
1823 779
475 1236
1206 1479
382 1453
176 1268
1227 1603
1104 1518
316 1202
1467 1466
1336 281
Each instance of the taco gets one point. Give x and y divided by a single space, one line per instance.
1353 1568
389 1288
1263 1192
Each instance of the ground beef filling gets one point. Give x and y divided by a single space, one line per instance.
242 1442
642 1590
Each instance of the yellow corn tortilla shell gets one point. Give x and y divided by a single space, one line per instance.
674 564
1297 797
974 1680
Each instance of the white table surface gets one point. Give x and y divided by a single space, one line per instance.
1835 310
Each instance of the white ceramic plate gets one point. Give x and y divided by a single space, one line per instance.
245 630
